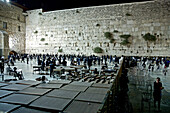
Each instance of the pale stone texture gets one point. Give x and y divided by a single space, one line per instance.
14 18
78 31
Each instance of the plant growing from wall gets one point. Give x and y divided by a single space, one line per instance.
54 18
125 41
42 39
97 24
149 37
98 50
78 49
128 14
60 50
108 35
46 43
115 31
77 11
36 31
112 40
40 13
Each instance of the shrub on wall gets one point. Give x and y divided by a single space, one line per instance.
125 41
108 35
98 50
36 32
60 50
42 39
112 40
78 49
115 31
97 24
149 37
125 36
128 14
46 43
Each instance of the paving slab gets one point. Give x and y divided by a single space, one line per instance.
97 90
50 86
75 88
19 99
34 91
15 87
60 82
3 84
99 85
28 82
63 93
90 97
81 83
51 103
5 93
28 110
82 107
5 108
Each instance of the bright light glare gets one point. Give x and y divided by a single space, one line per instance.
7 0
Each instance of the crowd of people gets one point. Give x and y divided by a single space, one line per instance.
150 64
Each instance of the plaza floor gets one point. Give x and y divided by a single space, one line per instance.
136 87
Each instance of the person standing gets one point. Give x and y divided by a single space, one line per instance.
51 68
157 92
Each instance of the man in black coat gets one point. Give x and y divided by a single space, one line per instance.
157 92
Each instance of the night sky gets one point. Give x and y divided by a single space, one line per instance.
50 5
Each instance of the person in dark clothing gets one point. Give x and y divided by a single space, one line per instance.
2 65
157 92
51 68
19 75
27 59
95 71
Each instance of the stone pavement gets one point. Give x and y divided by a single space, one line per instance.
136 87
137 84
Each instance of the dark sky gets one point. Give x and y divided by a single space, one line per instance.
49 5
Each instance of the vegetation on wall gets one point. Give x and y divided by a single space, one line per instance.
115 31
98 50
128 14
42 39
109 36
60 50
125 41
97 24
112 40
78 49
46 43
36 31
149 37
54 17
77 11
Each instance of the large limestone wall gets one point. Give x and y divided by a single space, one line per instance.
14 18
78 31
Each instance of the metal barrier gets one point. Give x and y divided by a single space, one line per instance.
108 103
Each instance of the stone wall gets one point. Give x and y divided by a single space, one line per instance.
80 30
14 18
4 44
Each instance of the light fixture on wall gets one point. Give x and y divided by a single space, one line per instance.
7 0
